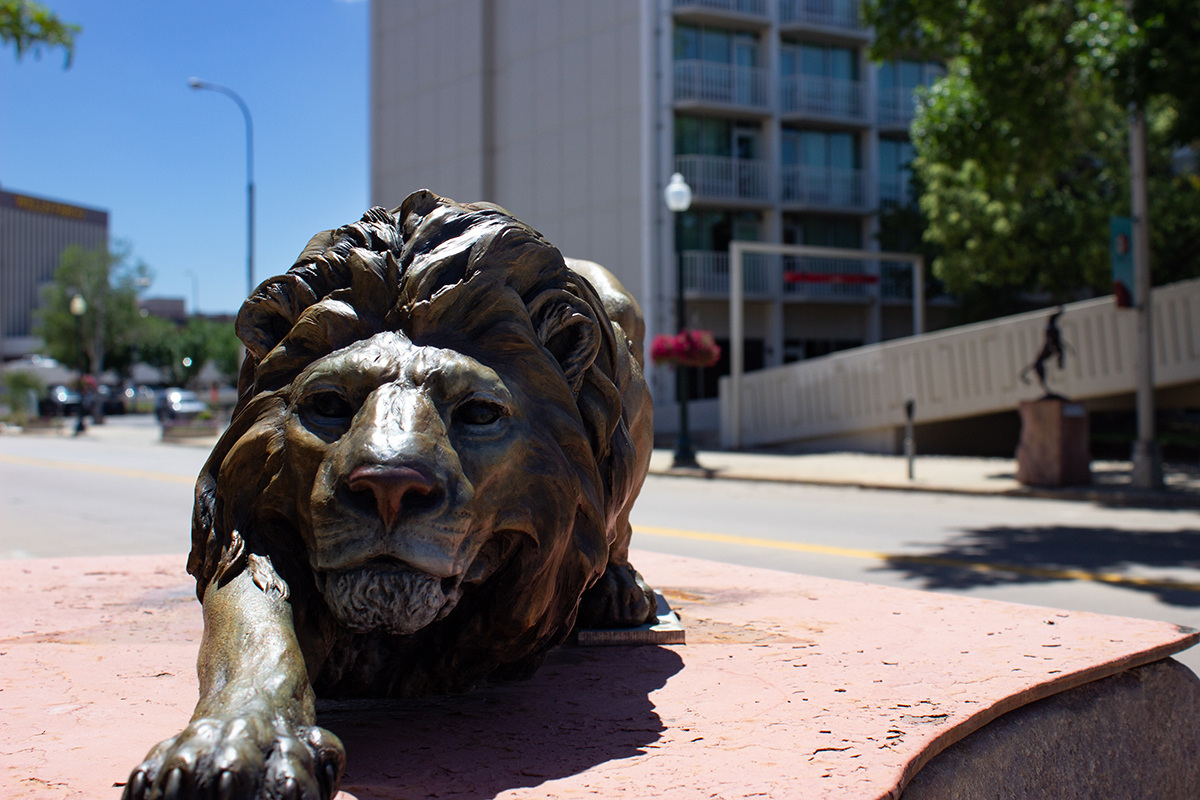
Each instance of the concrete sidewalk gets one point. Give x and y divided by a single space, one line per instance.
954 474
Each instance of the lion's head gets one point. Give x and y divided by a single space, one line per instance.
429 443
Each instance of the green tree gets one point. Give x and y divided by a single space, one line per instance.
1022 147
28 26
109 283
180 352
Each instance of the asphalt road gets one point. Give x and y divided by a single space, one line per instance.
119 490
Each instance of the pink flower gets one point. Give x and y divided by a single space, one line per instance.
688 348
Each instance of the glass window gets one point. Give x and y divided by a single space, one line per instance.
814 149
819 61
703 136
831 231
842 64
714 46
812 60
820 149
713 230
687 43
842 151
910 74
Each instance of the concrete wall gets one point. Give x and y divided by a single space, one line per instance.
966 371
532 104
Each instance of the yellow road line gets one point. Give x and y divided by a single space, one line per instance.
872 555
141 474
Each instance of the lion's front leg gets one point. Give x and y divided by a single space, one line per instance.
252 734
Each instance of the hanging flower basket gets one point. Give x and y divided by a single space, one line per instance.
687 348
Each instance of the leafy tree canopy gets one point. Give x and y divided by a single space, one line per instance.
1022 147
109 283
28 25
181 352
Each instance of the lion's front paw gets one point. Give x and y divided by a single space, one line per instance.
241 757
620 599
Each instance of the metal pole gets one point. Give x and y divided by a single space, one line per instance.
918 292
685 454
1147 461
736 337
196 83
79 425
910 441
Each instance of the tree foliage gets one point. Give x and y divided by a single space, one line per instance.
28 26
109 283
1022 148
180 352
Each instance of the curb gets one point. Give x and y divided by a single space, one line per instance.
1119 497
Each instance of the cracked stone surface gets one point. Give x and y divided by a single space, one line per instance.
789 686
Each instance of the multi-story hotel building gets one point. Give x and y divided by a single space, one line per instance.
34 232
573 114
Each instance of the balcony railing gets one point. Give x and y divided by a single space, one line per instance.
827 13
896 190
714 82
757 8
797 277
897 106
707 272
725 178
826 97
824 186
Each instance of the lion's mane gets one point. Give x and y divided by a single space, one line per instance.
467 277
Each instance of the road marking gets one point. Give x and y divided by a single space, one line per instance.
872 555
141 474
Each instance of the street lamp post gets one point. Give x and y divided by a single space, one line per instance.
78 307
678 196
196 83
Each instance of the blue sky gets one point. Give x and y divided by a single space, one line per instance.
122 131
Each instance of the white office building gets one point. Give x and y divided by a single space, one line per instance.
573 114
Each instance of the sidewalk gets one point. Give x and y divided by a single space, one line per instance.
953 474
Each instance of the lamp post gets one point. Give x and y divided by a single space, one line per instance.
678 196
195 291
196 83
78 307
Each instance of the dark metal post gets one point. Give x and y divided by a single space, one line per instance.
79 425
910 442
685 454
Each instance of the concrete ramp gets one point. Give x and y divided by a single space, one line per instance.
963 372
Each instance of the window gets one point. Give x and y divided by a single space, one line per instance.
895 177
836 150
716 45
823 231
713 230
820 61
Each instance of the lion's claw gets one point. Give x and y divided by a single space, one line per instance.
240 759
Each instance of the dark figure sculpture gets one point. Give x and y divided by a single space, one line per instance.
441 428
1052 347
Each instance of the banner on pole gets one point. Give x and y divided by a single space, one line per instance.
1120 251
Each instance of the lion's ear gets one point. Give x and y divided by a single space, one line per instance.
567 327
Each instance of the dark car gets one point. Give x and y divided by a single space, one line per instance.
59 402
176 403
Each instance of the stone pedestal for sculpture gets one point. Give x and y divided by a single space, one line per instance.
1053 449
789 686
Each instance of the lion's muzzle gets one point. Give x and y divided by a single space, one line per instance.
397 490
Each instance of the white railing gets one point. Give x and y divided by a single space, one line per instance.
897 106
827 13
714 82
724 177
965 372
823 186
757 8
707 272
819 96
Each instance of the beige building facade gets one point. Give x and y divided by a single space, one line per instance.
573 114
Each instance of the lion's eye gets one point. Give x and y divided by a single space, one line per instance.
478 412
332 405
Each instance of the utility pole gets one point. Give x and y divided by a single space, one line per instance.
1147 461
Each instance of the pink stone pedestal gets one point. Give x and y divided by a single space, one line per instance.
789 686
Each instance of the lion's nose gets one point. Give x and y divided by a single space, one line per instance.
397 490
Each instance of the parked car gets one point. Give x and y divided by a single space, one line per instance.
60 401
113 401
178 403
140 399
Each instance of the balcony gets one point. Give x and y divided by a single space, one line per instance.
756 8
725 84
707 272
798 278
824 13
895 190
822 97
824 186
724 178
897 107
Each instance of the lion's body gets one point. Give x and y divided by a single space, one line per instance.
441 430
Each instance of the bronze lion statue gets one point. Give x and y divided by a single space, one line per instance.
441 428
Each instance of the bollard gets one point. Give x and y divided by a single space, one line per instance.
910 444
